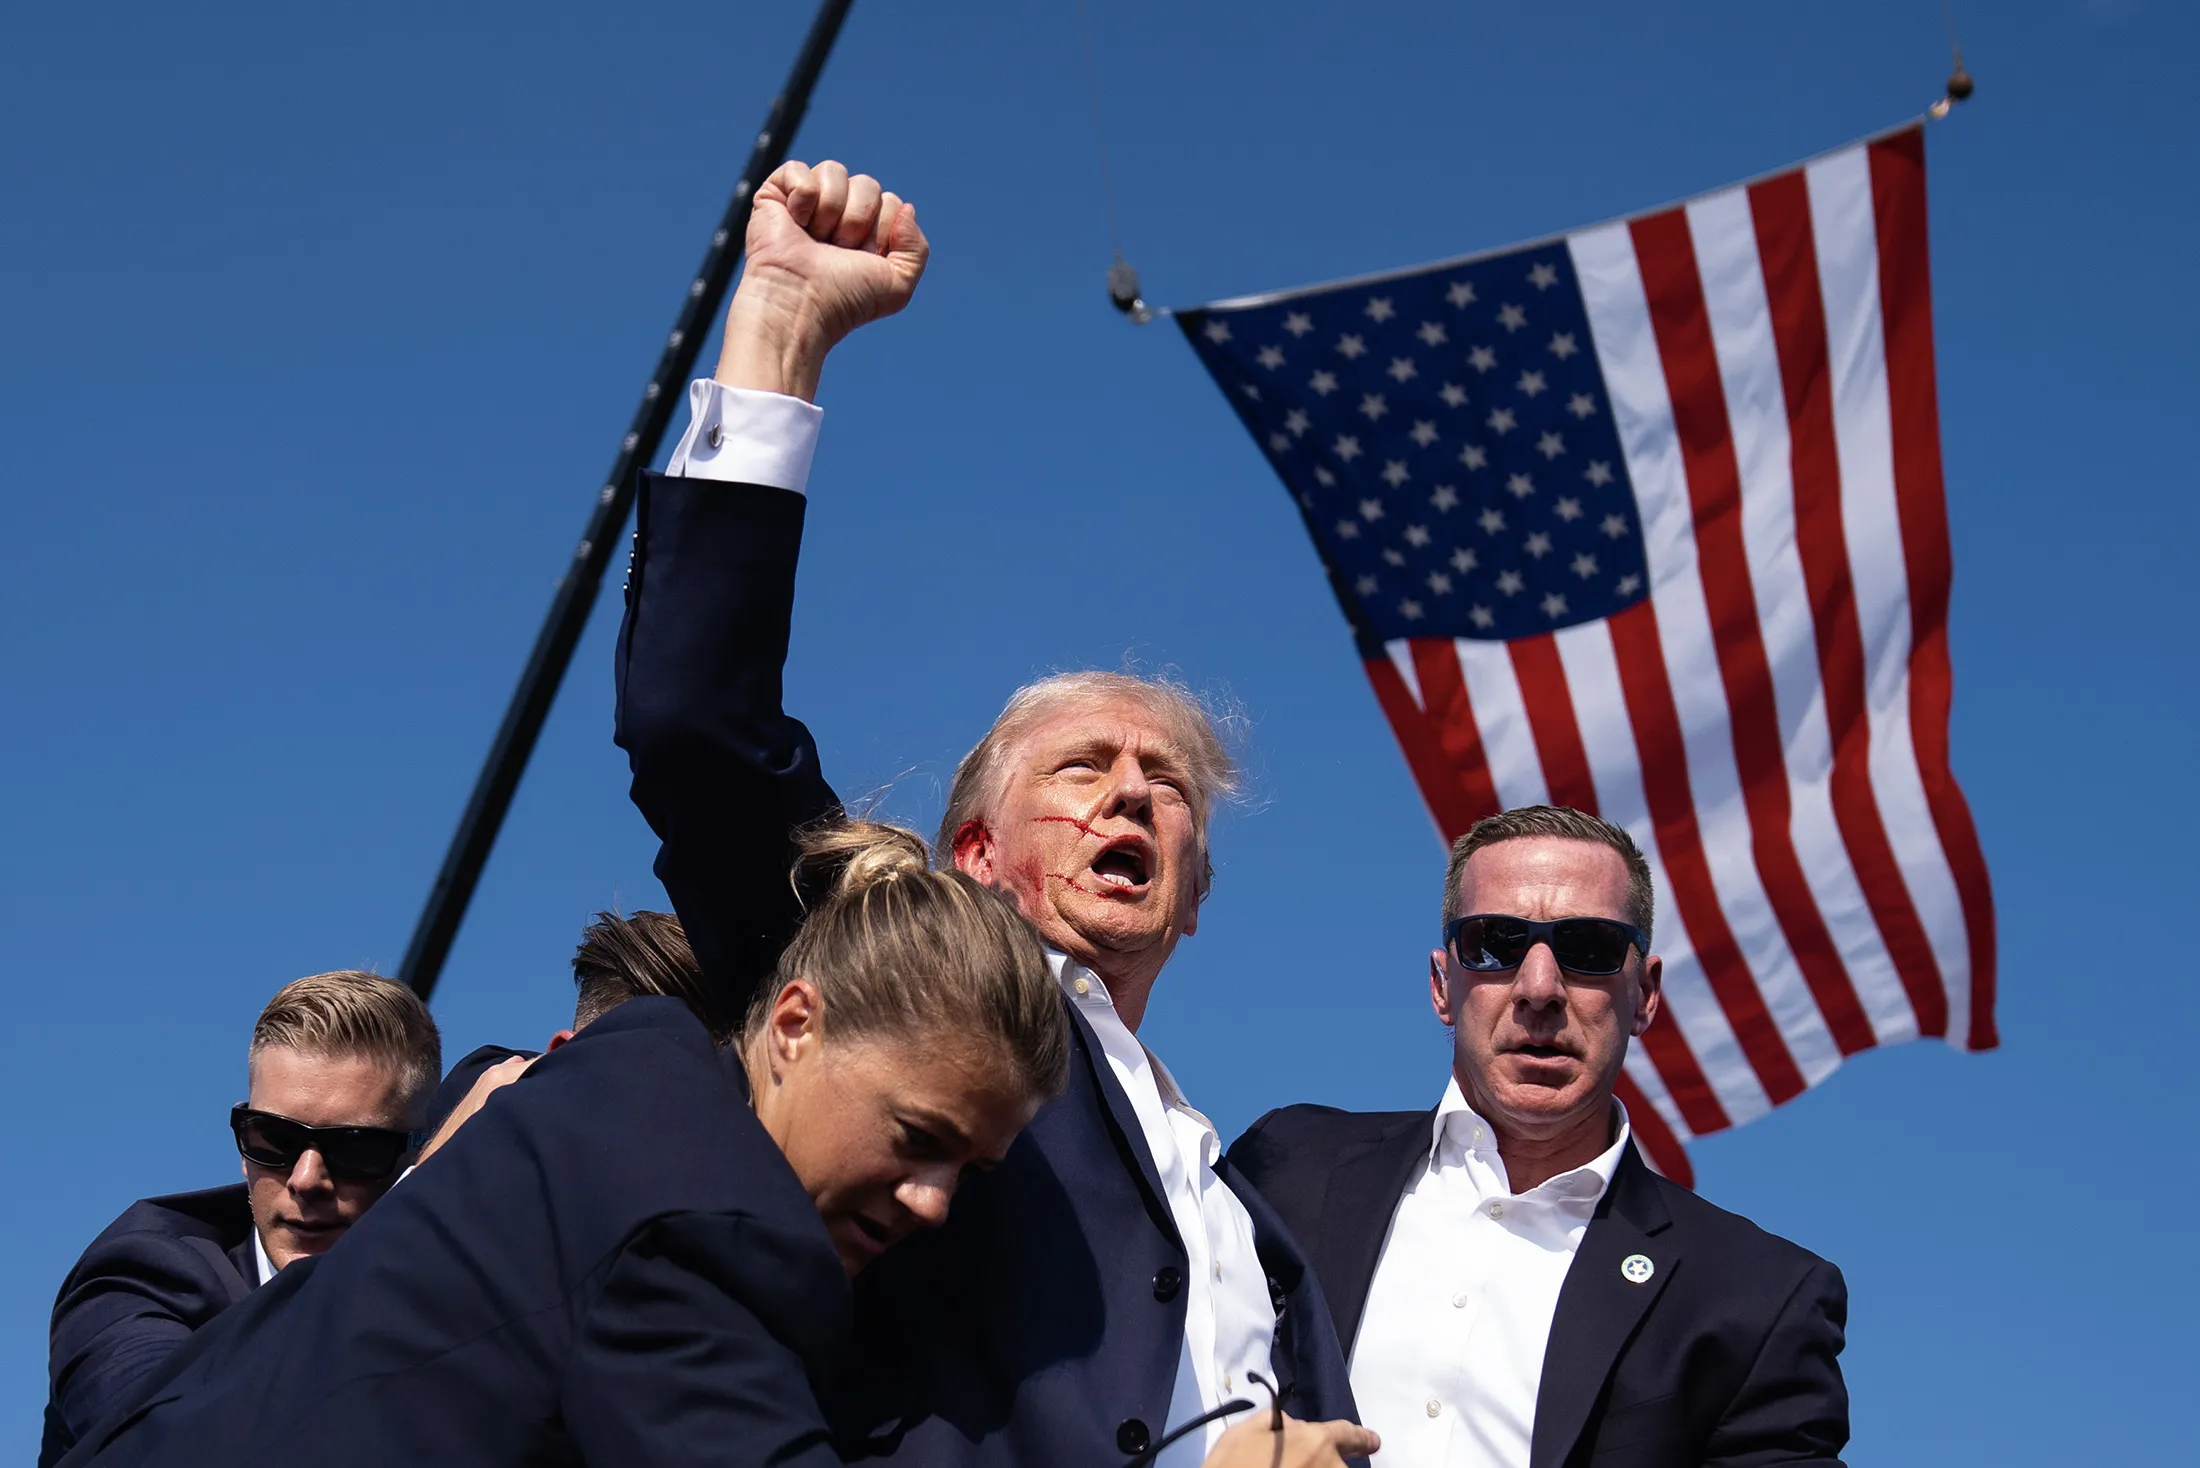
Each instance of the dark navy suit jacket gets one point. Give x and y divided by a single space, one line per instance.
613 1264
155 1275
1044 1323
1726 1354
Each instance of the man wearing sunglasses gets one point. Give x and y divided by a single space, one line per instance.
339 1070
1514 1286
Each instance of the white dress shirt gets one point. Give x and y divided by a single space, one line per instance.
1229 1322
1450 1351
751 437
263 1265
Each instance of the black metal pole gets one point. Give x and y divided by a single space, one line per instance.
576 594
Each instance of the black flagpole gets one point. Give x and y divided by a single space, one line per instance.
576 594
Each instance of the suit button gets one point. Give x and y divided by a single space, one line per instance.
1132 1436
1166 1282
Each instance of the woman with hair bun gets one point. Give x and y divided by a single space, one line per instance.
639 1253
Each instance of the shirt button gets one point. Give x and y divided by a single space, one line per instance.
1478 1134
1082 986
717 435
1218 1269
1227 1383
1497 1210
1459 1301
1435 1408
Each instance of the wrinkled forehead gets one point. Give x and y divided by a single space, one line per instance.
1107 726
1543 877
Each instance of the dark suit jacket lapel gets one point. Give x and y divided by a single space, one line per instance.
247 1266
1130 1133
1599 1306
1364 1189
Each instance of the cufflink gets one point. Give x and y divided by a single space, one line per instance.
717 435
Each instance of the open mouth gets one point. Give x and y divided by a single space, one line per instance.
1125 865
872 1235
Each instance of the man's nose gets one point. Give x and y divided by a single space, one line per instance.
927 1195
1128 790
309 1174
1539 983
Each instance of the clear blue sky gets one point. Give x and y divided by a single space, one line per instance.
318 326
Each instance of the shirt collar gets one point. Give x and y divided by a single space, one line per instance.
1469 1132
264 1265
1086 990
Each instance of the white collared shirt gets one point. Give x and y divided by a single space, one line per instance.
264 1265
1229 1322
1449 1356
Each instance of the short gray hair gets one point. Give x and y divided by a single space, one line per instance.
1566 823
981 779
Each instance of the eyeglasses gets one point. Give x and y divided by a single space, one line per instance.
1491 942
359 1154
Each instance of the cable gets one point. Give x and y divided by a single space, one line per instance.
1123 287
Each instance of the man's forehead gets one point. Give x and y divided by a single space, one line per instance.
1105 723
1586 871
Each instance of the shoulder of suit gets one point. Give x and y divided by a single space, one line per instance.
220 1215
1739 1240
1308 1124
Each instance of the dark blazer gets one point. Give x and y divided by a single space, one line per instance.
1045 1321
162 1270
612 1265
1726 1355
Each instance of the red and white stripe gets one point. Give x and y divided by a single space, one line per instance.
1771 723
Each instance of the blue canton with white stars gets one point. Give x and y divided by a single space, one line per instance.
1448 436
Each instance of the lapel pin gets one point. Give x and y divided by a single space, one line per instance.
1637 1268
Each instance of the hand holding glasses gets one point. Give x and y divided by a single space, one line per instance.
1279 1442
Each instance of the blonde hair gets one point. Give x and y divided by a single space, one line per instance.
348 1014
981 779
897 949
1565 822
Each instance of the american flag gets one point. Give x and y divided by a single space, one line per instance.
1647 520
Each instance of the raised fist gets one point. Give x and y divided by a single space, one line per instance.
827 253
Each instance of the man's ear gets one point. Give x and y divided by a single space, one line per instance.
558 1040
1439 987
1653 993
974 852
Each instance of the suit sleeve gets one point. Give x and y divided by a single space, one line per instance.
723 775
687 1356
1793 1407
129 1304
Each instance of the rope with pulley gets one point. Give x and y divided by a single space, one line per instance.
1960 84
1123 287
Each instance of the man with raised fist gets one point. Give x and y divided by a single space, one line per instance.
1113 1279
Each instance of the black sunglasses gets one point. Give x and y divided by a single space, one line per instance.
359 1154
1491 942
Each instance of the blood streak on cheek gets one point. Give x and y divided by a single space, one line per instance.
1072 883
1082 825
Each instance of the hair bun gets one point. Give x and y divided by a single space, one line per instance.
853 856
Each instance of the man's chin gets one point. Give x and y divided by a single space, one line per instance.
1116 928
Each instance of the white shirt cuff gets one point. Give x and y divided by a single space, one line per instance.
745 436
